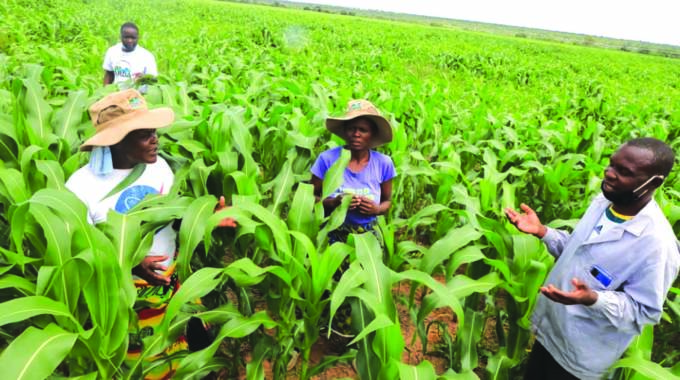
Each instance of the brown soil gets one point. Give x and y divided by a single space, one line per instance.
413 354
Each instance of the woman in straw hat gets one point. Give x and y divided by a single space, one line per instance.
368 176
367 179
124 167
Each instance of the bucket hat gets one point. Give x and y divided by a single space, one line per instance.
120 113
358 108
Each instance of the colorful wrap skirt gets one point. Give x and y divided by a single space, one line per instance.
151 304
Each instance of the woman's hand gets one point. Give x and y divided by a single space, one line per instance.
367 206
148 268
226 222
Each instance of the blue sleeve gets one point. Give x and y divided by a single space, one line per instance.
388 169
320 166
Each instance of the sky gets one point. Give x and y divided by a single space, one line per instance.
643 20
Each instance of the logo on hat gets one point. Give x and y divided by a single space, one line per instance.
355 106
135 103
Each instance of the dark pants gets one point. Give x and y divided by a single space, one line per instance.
542 366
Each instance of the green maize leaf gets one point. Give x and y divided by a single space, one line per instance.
301 216
388 344
451 375
458 287
245 184
334 176
191 232
56 234
379 322
282 184
9 143
423 217
255 369
28 158
328 361
125 234
212 365
533 280
35 354
37 110
13 185
197 285
462 286
278 228
103 291
198 176
378 277
367 363
72 210
304 249
675 370
219 315
503 268
469 254
423 371
8 281
245 273
443 248
334 221
645 368
44 280
53 173
352 279
68 118
236 328
499 365
524 248
160 209
468 337
58 253
89 376
20 309
641 346
324 266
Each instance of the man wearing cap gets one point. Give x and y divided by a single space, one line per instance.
611 274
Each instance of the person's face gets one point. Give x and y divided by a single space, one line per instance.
140 146
627 178
129 37
358 134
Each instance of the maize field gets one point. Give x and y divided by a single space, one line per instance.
480 122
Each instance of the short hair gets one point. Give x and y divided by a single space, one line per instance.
129 24
663 155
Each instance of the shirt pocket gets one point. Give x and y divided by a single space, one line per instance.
597 276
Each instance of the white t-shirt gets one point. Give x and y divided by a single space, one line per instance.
156 179
129 65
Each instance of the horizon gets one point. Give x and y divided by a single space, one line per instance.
654 22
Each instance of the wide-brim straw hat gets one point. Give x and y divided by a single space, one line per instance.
120 113
362 108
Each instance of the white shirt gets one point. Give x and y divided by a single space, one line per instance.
129 65
631 266
91 189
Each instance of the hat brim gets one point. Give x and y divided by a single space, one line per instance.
114 133
337 126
